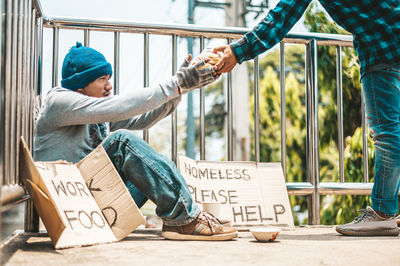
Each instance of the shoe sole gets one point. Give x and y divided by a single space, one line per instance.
387 232
219 237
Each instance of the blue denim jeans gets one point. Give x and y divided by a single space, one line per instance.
151 176
381 89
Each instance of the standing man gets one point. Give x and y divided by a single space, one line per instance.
375 25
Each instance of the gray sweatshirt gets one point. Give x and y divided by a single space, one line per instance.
70 125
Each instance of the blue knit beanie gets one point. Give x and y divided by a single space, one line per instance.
83 65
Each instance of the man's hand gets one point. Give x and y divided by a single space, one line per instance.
228 60
193 77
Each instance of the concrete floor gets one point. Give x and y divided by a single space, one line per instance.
302 246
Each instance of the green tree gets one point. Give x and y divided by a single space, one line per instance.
342 209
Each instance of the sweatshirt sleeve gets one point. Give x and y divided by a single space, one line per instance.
270 30
64 107
147 120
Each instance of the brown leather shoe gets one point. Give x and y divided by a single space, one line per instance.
204 227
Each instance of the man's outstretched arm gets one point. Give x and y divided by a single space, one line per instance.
264 36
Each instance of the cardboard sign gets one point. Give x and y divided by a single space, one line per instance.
83 220
249 193
110 193
69 211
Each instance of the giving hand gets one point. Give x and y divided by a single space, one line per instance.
228 60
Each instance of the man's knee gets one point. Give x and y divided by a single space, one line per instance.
387 138
122 135
120 138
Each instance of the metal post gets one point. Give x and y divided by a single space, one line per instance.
312 131
283 109
55 56
2 109
174 118
340 112
31 222
14 91
27 84
202 114
190 126
39 82
230 114
146 75
256 112
2 97
20 85
32 75
116 61
7 95
86 37
22 72
364 139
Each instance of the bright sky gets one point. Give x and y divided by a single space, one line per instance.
154 11
121 9
166 11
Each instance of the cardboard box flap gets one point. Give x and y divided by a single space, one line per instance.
110 193
121 220
28 170
39 194
94 163
46 209
106 182
67 208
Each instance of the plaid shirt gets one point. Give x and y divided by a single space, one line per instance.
375 25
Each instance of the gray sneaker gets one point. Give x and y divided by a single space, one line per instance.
369 224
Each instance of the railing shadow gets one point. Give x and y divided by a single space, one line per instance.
26 242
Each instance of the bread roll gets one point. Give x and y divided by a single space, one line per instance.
207 54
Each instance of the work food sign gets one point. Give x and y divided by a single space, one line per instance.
72 215
249 193
67 187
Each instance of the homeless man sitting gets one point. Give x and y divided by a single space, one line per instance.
78 116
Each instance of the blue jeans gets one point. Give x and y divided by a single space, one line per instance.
153 176
381 89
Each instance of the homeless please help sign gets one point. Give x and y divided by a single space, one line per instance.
249 193
73 212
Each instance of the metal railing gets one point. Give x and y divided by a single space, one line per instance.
22 76
20 54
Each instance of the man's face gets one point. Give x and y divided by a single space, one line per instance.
99 88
